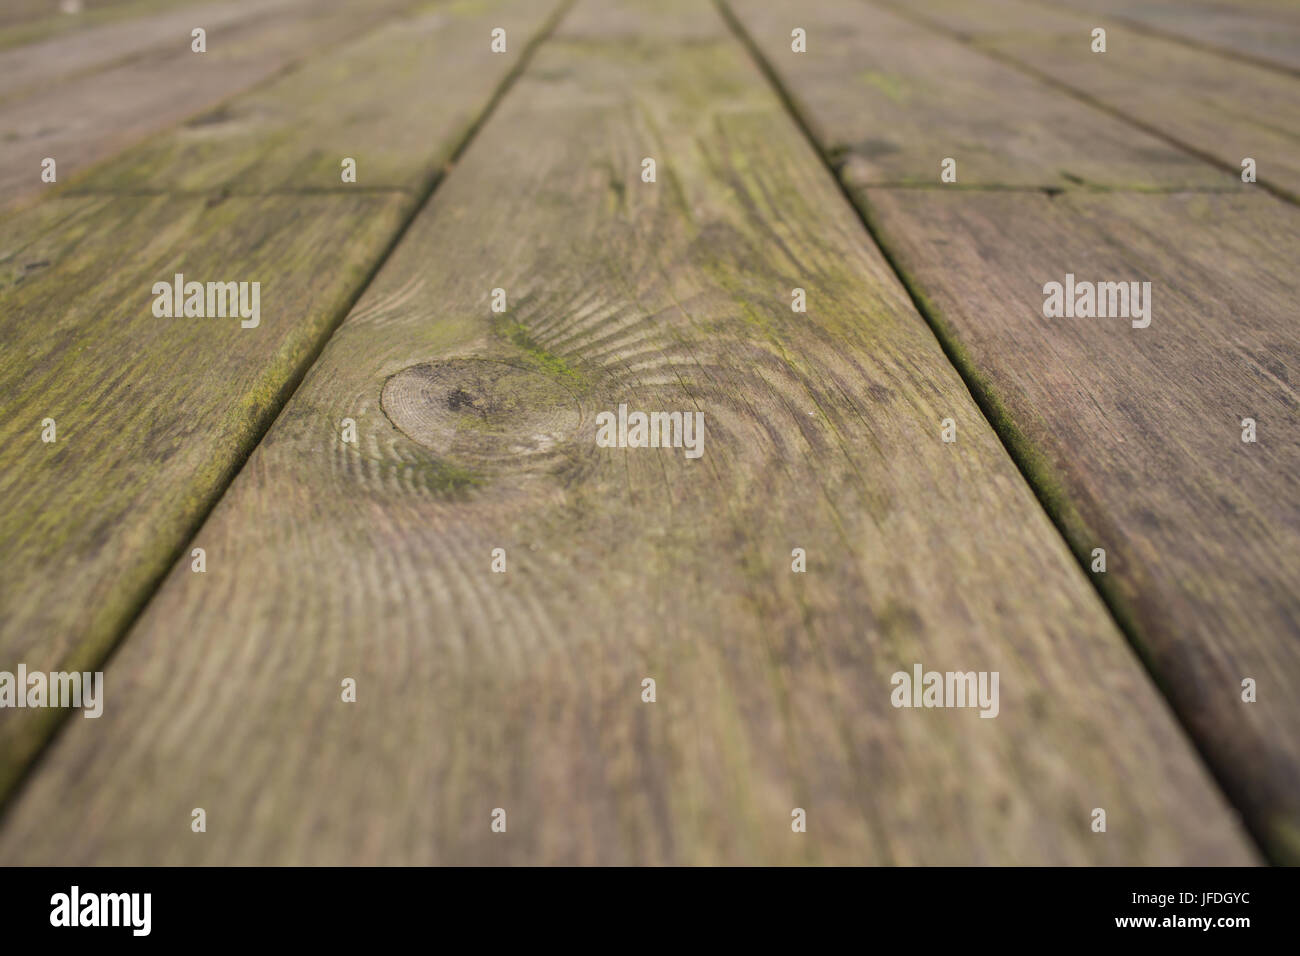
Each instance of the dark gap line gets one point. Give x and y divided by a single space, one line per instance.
58 719
1003 428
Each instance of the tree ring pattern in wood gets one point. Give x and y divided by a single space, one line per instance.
483 414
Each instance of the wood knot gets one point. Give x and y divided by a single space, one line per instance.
459 398
482 414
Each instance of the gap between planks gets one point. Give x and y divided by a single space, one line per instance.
97 145
50 723
998 420
903 10
685 330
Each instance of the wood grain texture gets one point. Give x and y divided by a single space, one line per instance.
155 415
1135 435
1220 108
90 117
1264 31
889 99
379 111
522 690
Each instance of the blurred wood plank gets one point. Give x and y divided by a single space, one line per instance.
90 116
287 136
32 21
1217 107
888 99
1265 31
37 65
522 690
1133 436
154 415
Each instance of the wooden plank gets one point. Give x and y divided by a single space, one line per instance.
89 117
32 21
522 690
1222 109
890 99
1136 435
286 136
154 415
1264 31
37 65
1133 436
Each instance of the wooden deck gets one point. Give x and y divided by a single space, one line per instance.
327 560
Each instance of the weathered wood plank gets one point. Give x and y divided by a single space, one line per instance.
890 99
32 21
1266 31
1220 108
1136 434
522 690
153 415
287 136
89 117
38 65
1133 436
